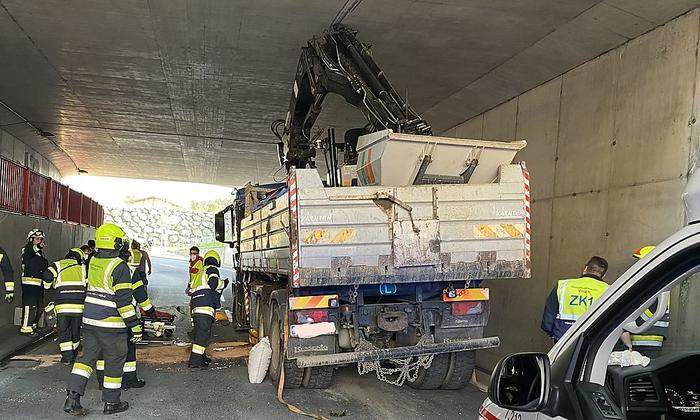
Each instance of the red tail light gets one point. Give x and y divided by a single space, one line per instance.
310 316
466 308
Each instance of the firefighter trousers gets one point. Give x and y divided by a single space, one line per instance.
32 298
129 371
113 346
200 338
69 334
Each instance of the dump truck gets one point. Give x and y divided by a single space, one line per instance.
378 260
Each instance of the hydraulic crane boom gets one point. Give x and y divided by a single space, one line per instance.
337 62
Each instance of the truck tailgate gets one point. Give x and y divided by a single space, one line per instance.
418 233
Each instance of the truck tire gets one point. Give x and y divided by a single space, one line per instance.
434 376
293 376
320 377
460 370
261 317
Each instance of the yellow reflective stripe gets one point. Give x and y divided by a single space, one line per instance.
107 279
647 337
136 285
9 286
82 370
130 366
76 345
122 286
110 322
66 346
70 283
53 271
146 304
136 328
196 348
32 281
100 365
100 302
126 311
112 382
70 306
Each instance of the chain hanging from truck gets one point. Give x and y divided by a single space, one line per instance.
405 369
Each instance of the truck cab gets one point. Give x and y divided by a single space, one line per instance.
578 379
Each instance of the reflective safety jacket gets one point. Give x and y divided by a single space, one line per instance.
108 305
33 266
8 273
206 291
68 278
569 300
135 259
196 271
653 338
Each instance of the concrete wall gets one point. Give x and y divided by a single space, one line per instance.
13 149
60 237
610 144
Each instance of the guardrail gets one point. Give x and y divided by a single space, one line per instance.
26 192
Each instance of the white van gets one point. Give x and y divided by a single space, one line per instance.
574 380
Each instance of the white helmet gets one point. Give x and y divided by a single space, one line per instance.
35 233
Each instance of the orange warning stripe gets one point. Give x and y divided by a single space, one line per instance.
467 294
313 302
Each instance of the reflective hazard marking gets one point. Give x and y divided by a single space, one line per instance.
311 302
293 215
497 231
466 294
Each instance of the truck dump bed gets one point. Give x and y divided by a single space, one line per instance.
373 234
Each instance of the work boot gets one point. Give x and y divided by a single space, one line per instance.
207 360
114 408
72 405
135 383
67 360
201 365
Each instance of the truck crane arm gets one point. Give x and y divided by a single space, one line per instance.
337 62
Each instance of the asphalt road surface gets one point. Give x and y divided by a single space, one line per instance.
31 389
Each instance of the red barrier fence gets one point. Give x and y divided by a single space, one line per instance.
27 192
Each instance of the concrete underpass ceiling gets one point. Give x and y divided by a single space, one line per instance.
186 90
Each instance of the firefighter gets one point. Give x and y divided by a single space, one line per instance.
571 298
139 260
33 265
196 264
651 341
135 258
8 275
141 300
108 318
68 278
206 298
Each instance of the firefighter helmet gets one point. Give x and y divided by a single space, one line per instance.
109 236
642 252
212 254
35 233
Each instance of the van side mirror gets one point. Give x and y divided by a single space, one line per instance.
521 382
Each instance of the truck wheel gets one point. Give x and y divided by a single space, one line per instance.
320 377
434 376
293 375
460 371
261 314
